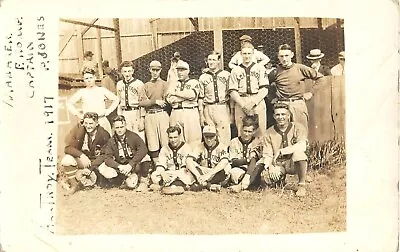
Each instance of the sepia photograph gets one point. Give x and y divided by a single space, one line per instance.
201 126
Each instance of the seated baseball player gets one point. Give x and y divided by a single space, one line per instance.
245 151
84 152
284 146
123 155
171 165
209 161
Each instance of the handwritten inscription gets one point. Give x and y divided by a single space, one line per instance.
8 84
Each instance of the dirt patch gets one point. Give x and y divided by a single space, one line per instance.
271 211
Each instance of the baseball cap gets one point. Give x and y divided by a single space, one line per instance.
155 64
245 38
341 54
182 65
209 130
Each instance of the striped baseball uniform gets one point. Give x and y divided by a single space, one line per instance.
129 105
247 81
214 92
185 113
239 154
156 118
292 144
173 161
208 158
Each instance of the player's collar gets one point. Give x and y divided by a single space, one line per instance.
289 127
212 147
244 142
129 82
211 73
250 66
177 147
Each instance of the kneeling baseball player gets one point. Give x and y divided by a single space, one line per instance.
84 152
284 146
171 165
209 161
245 152
123 156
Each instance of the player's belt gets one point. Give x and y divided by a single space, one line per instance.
246 94
290 99
216 103
180 107
129 108
154 111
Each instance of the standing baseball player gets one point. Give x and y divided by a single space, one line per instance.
128 89
245 152
93 99
289 81
156 120
183 97
284 147
171 165
209 161
84 152
214 98
248 86
257 57
123 155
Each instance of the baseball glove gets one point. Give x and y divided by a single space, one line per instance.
132 180
86 177
172 190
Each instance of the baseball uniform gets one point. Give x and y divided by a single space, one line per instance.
239 154
173 161
290 86
214 92
208 158
93 100
156 118
247 81
129 106
292 144
185 113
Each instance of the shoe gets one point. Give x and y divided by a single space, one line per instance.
215 187
143 187
155 187
196 187
235 188
172 190
301 191
226 181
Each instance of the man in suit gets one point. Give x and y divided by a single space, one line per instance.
315 57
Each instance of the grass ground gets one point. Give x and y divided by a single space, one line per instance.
270 211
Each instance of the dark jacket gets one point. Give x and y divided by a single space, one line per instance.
135 143
74 143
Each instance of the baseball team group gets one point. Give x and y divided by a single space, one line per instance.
176 135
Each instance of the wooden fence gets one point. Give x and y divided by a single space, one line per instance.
327 110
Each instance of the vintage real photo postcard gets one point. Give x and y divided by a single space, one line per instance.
197 132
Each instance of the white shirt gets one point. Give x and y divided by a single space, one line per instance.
92 99
258 57
337 70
